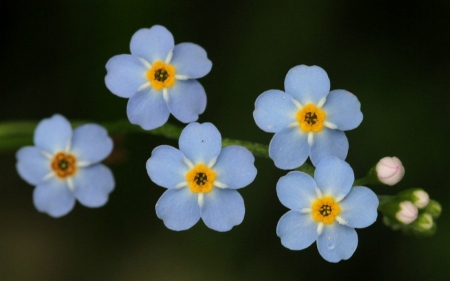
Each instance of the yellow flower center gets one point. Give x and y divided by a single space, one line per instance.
325 210
311 118
64 165
161 75
200 179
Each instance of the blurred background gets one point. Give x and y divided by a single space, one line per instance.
393 55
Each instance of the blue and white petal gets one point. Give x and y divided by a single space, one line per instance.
328 142
296 190
297 230
222 209
343 109
274 110
359 207
186 100
32 165
53 134
235 167
125 74
152 44
337 242
53 197
190 60
91 144
148 109
201 143
178 208
92 185
289 148
307 84
334 177
167 166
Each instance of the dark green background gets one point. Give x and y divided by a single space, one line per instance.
393 55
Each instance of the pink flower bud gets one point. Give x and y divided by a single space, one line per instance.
390 170
422 198
408 212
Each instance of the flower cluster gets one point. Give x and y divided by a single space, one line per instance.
307 119
412 211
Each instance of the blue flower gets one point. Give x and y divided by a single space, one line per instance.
159 78
325 209
307 118
64 166
201 179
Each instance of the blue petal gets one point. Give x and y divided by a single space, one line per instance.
152 44
337 242
296 190
91 143
92 185
274 111
178 208
53 197
190 60
307 84
53 134
148 109
166 167
289 148
200 143
343 109
297 230
328 142
32 165
222 209
235 167
359 207
125 74
334 177
187 99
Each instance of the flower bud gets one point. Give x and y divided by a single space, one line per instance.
416 195
433 208
390 170
424 222
422 199
408 212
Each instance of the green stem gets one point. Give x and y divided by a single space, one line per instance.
15 134
257 149
362 181
384 199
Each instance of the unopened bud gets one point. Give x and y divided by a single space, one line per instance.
390 170
424 222
433 208
422 199
408 212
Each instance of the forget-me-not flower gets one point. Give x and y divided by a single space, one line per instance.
307 118
64 166
325 209
158 77
201 179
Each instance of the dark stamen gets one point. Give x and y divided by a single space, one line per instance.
200 178
63 164
161 75
311 118
325 210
